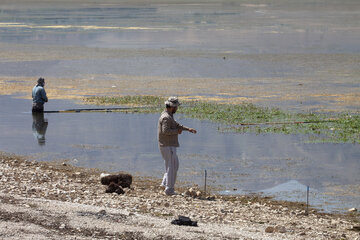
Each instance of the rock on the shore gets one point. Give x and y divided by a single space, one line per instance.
193 193
114 188
124 180
280 229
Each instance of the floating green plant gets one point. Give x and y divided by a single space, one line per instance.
143 100
247 117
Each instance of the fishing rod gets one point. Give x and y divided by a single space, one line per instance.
113 109
77 110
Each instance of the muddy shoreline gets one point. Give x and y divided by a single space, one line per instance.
43 198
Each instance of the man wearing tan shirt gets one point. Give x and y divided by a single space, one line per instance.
168 131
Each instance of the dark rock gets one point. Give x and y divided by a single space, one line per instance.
119 190
113 187
184 221
356 228
123 179
270 230
102 212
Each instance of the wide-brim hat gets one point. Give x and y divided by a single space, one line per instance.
172 102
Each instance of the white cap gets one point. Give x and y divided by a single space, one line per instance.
172 102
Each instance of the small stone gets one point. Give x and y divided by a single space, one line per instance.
302 234
280 229
104 175
269 229
78 173
167 204
356 228
334 222
352 210
102 212
64 164
198 194
192 192
62 226
212 198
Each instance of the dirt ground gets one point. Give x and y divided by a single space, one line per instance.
42 200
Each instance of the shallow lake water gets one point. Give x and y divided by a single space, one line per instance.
273 164
299 51
299 55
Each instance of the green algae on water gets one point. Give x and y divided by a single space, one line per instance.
247 117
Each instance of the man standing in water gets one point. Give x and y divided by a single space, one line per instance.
168 131
39 96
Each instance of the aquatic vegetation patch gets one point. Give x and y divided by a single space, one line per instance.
143 100
247 117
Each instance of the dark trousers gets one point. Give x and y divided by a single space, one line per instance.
38 107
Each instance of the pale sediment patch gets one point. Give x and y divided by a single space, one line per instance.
234 91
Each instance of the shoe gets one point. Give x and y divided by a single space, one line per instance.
170 192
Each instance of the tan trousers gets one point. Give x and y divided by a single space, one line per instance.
171 167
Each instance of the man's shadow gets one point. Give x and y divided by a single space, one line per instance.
39 127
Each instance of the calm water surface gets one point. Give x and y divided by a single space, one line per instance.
273 40
209 29
273 164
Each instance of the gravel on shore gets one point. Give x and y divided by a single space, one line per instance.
49 200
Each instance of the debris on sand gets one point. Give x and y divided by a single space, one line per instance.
184 221
116 183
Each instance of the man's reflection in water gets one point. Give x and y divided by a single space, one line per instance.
39 127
